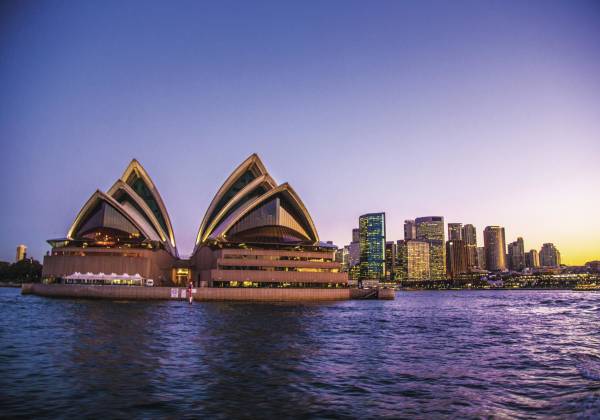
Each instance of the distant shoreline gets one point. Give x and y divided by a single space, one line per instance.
499 289
17 285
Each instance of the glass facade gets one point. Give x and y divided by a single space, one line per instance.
390 260
372 246
469 236
255 193
141 189
456 258
246 178
412 260
431 230
104 226
481 258
495 248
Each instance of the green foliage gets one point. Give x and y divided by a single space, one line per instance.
24 271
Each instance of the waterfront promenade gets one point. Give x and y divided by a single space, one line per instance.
204 293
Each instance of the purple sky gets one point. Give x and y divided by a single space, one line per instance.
482 112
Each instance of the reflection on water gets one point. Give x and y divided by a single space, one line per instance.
502 353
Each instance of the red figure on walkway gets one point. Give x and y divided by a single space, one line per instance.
190 297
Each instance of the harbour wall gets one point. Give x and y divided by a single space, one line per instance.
201 293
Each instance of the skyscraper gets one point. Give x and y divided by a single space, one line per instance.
412 262
21 252
495 248
390 260
481 258
516 255
454 231
456 258
469 236
354 249
372 246
431 230
410 230
532 259
549 256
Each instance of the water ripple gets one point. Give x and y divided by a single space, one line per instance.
427 354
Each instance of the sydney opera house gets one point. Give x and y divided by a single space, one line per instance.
254 233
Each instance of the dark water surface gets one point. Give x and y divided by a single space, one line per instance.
426 354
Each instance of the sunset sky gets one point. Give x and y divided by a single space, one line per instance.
484 112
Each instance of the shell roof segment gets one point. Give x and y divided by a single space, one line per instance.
101 210
249 206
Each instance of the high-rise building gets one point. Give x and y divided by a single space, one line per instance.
354 249
431 229
372 246
516 255
549 256
345 258
495 248
410 230
481 258
510 257
454 231
338 257
390 260
469 236
456 258
21 252
354 254
532 259
412 262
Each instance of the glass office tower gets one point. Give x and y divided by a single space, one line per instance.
390 260
372 246
469 236
431 229
412 260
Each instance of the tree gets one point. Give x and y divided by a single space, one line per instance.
27 270
4 269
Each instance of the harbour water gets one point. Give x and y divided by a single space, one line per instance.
425 354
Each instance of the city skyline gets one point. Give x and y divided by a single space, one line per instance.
482 115
341 244
402 259
447 226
